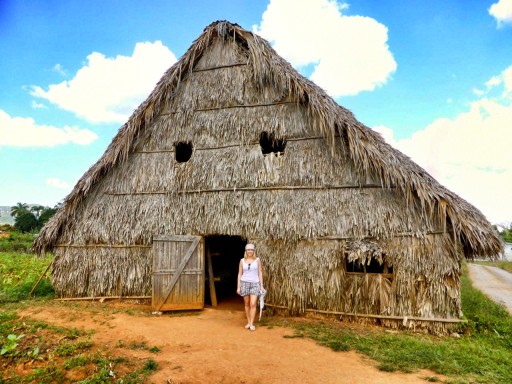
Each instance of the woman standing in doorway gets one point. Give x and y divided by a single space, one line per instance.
250 283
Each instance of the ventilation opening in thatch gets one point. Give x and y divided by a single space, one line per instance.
270 144
374 267
183 151
225 253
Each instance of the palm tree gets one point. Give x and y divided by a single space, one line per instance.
37 209
18 208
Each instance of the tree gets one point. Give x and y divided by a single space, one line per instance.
506 234
25 221
46 214
18 208
37 209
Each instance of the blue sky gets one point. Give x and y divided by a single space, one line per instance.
434 78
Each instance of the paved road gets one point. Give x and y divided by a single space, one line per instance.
494 282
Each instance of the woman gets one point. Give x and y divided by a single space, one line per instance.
250 283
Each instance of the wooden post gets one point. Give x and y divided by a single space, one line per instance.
40 278
213 294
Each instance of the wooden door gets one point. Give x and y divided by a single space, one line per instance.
178 273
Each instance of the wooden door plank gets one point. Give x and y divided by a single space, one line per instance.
184 261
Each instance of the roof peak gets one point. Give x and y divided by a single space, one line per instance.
222 23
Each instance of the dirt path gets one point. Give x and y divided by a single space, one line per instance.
494 282
213 347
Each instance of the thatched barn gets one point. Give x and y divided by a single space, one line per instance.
233 145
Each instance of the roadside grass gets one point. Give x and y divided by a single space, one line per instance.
503 264
481 353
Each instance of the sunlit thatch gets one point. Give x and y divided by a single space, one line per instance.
338 192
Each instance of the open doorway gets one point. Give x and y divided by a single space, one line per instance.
225 253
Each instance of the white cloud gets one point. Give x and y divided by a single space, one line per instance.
37 105
507 80
470 154
24 132
387 134
109 89
349 54
502 12
493 82
56 183
59 69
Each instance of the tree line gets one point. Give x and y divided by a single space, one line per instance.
31 219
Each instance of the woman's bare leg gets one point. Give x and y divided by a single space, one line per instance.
252 308
247 308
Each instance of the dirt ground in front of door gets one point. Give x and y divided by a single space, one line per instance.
212 346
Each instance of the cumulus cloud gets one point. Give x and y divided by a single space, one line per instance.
109 89
470 154
24 132
502 12
349 54
57 183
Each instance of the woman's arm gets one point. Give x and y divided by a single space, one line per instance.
260 274
240 270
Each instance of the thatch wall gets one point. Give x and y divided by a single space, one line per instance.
102 271
337 188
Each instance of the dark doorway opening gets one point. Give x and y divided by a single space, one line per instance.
225 253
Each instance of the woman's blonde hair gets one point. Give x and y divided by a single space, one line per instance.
253 254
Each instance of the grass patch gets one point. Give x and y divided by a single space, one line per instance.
71 349
19 273
77 361
137 345
17 242
60 354
154 349
503 264
150 365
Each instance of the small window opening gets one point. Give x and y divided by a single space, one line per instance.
374 267
270 144
183 151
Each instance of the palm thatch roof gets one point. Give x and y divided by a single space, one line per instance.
367 150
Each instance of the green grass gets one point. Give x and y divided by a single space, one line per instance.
17 242
71 349
60 356
45 343
503 264
19 273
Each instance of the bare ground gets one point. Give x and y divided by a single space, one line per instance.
212 346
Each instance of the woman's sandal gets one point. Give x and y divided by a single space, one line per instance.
252 327
247 326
